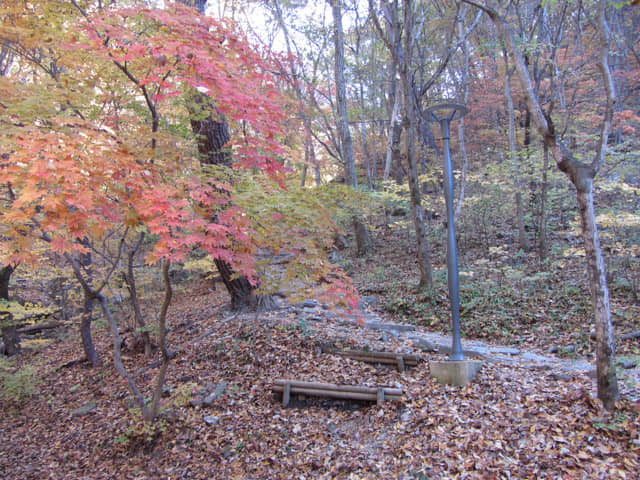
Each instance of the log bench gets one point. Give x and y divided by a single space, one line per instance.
347 392
400 360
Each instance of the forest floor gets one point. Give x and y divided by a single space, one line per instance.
522 417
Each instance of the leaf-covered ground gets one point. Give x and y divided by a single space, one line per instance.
511 422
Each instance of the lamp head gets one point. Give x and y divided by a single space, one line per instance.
448 110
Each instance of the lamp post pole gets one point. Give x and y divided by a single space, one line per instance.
444 113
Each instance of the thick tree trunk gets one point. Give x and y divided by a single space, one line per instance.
362 237
212 133
605 342
5 276
242 292
10 339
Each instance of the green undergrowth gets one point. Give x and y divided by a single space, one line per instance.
509 295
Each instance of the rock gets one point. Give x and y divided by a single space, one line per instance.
208 400
211 420
84 409
391 327
506 350
425 345
563 377
196 402
310 304
220 389
534 357
370 300
628 364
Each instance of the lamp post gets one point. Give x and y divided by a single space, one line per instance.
444 113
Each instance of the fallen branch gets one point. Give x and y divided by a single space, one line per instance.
40 327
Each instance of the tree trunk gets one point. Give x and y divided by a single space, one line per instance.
342 118
542 228
415 192
342 121
461 130
605 342
212 132
365 141
395 131
130 280
10 338
85 330
5 276
362 237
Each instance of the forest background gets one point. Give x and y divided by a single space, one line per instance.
283 151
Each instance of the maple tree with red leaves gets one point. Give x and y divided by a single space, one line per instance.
110 160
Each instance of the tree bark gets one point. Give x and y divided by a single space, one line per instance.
342 122
5 277
87 312
605 341
85 330
415 192
542 228
10 338
401 46
130 280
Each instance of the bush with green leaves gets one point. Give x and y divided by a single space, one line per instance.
17 382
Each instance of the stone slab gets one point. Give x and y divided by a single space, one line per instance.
455 372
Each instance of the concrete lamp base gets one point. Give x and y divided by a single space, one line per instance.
455 372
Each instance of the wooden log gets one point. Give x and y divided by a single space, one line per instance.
402 360
286 394
333 386
347 392
39 327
